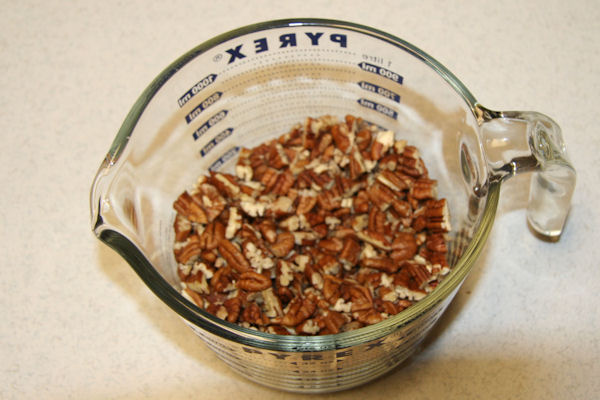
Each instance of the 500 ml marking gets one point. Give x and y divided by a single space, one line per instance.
386 73
194 90
209 101
380 90
380 108
229 154
212 121
215 141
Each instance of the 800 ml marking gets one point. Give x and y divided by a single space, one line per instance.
380 108
386 73
201 84
212 121
209 101
215 141
380 90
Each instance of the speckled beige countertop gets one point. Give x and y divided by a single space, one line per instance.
78 323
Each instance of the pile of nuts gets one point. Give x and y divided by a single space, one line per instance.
328 228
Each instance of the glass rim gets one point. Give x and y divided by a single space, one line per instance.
288 343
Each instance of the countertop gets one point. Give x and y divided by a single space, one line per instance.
77 322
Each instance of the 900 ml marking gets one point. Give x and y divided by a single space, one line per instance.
209 101
203 83
386 73
212 121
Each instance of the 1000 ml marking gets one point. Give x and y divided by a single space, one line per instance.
212 121
215 141
380 108
380 90
209 101
201 84
386 73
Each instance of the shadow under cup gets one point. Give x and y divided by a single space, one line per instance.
251 85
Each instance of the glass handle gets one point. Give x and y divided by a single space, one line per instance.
516 142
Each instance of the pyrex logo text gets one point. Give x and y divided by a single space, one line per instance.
286 40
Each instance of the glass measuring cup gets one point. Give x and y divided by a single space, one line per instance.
252 84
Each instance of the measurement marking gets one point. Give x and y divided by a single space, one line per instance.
229 154
212 121
386 73
380 108
380 90
209 101
194 90
215 141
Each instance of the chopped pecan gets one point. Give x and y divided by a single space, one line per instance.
369 316
233 256
424 189
299 310
253 282
234 308
330 227
191 209
385 264
284 243
404 247
306 202
350 252
340 135
254 315
182 227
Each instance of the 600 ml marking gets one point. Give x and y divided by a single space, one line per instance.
212 121
215 141
209 101
386 73
229 154
194 90
380 108
380 90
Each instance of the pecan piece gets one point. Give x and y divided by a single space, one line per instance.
233 256
299 310
189 208
424 189
253 282
350 252
341 137
369 316
234 308
254 315
333 245
283 244
385 264
404 247
182 228
306 202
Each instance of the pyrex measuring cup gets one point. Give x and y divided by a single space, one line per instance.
253 84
